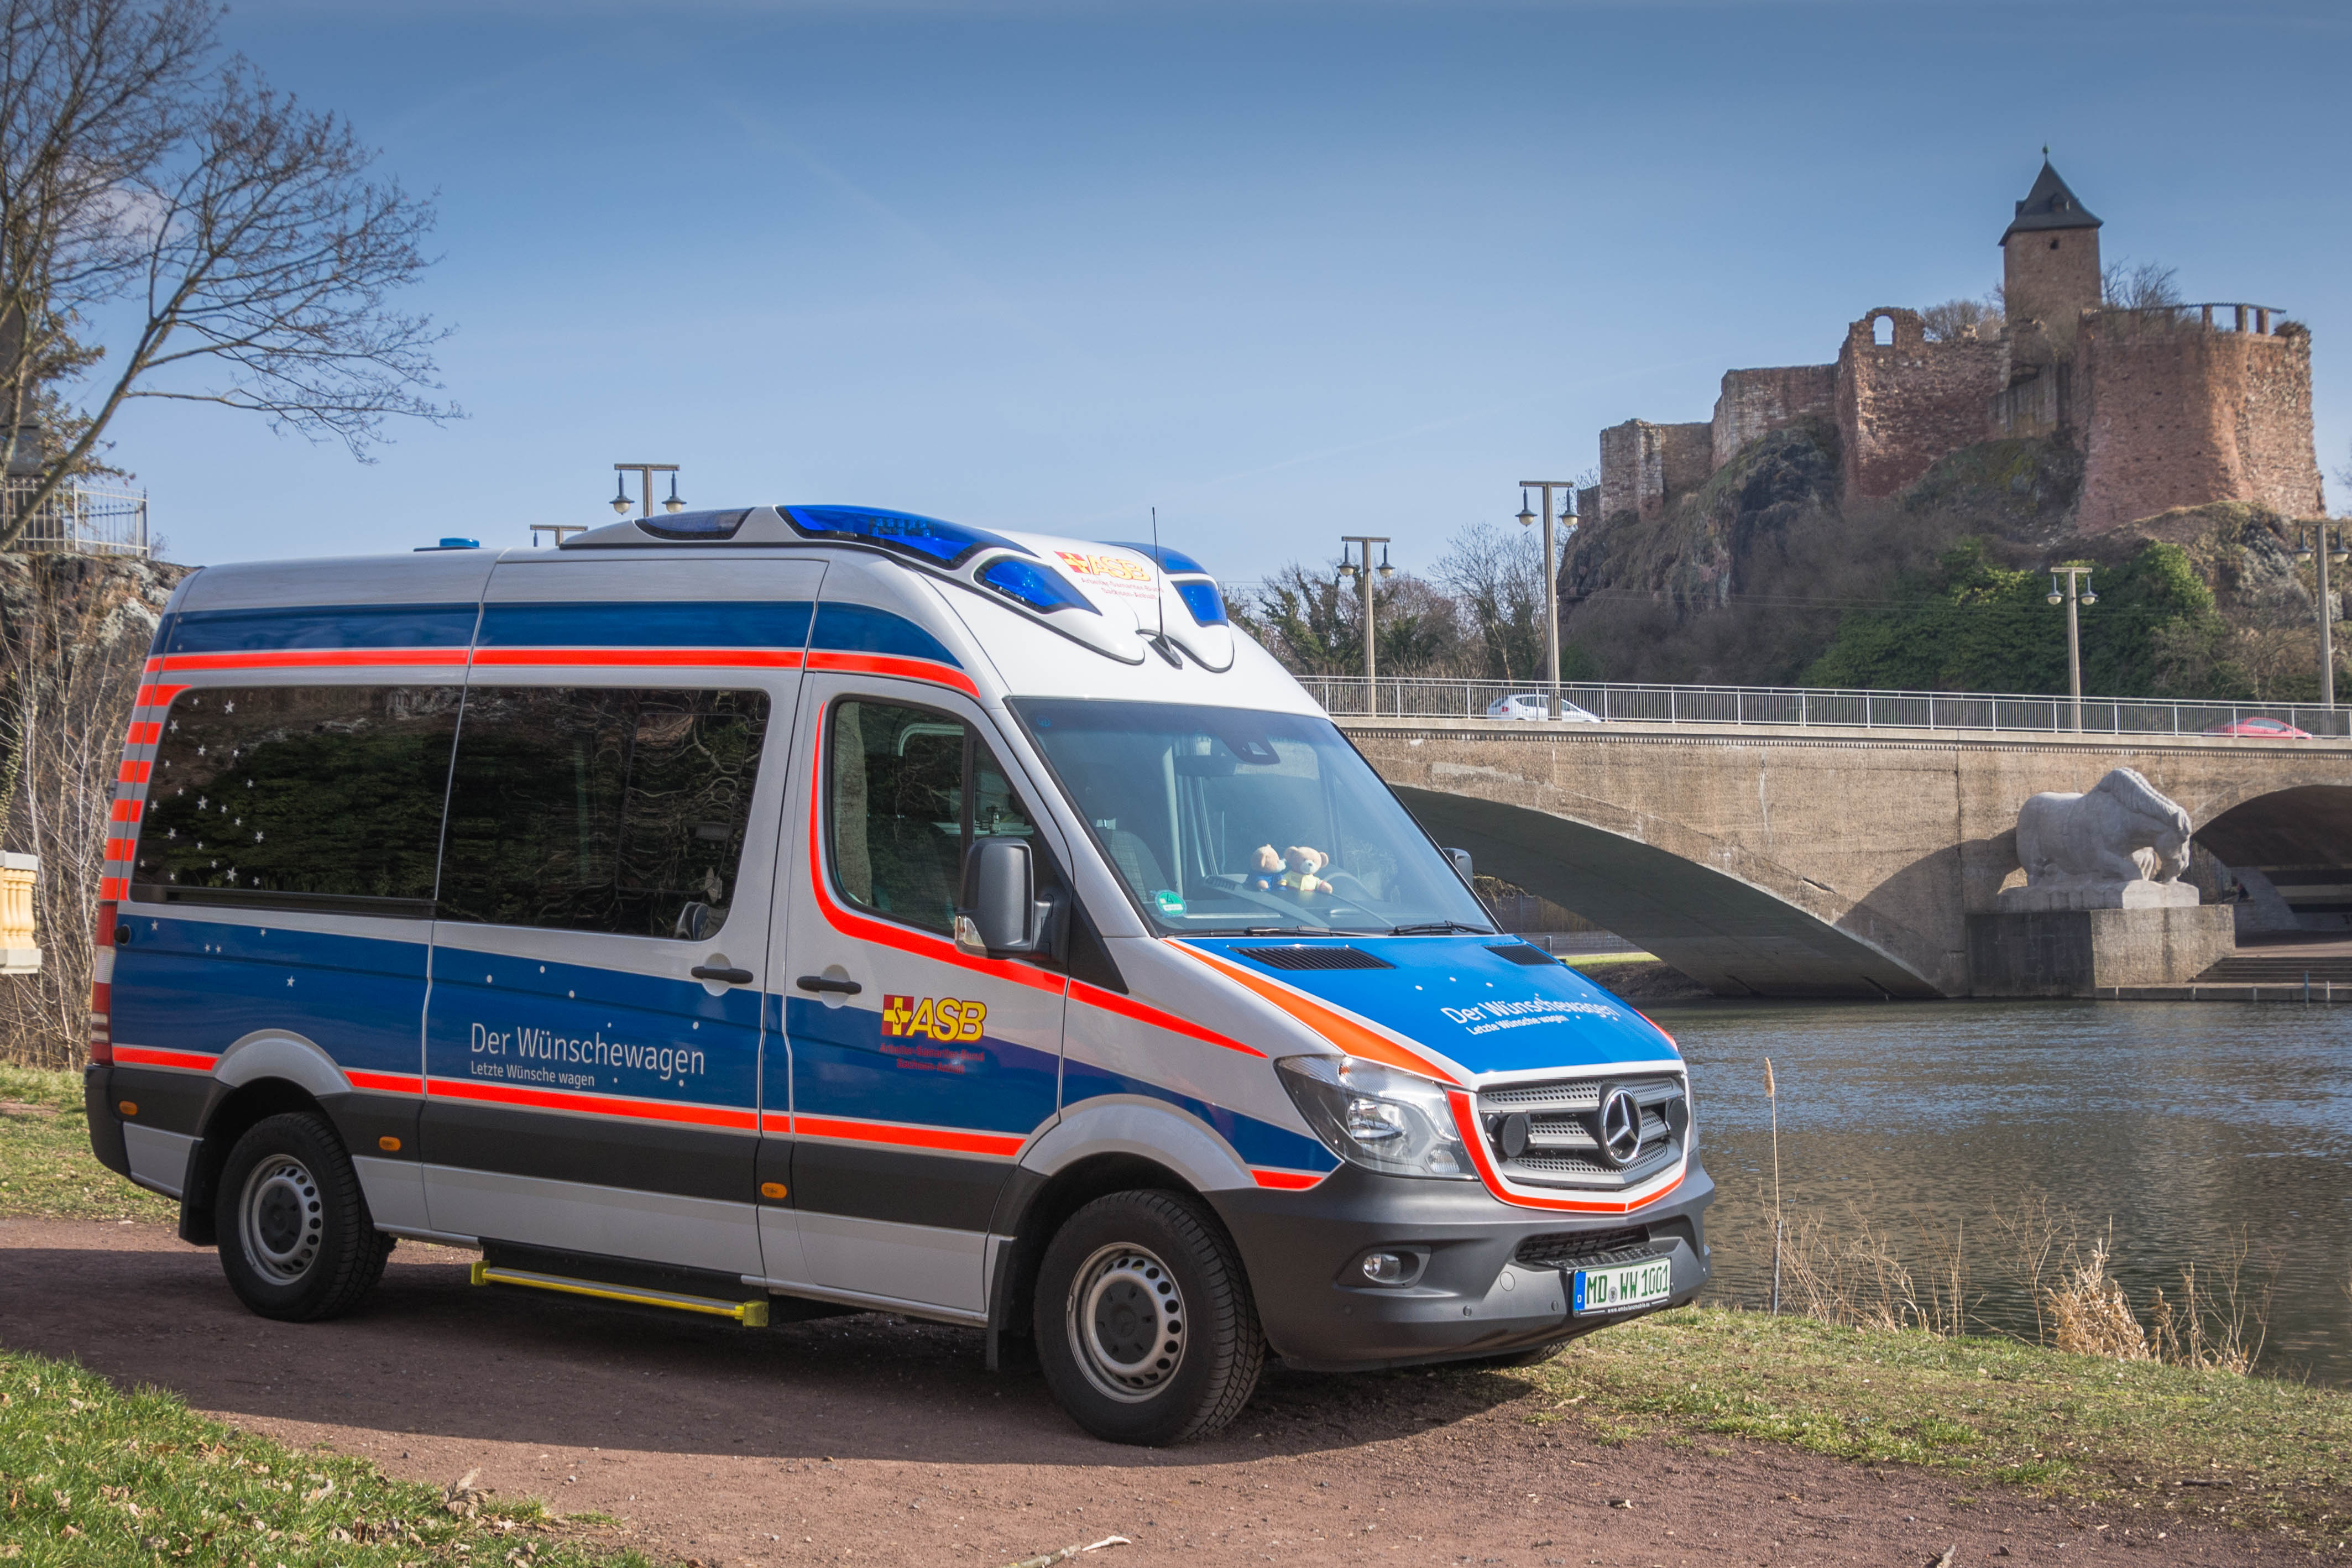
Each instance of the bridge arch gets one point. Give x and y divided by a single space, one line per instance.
1723 930
2292 849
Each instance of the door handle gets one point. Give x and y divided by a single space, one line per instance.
730 976
826 982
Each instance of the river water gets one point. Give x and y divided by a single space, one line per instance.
2184 1126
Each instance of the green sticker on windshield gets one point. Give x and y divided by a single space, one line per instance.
1169 902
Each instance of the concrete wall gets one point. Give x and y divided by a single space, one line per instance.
1757 401
1645 466
2178 414
1903 405
1882 840
2051 274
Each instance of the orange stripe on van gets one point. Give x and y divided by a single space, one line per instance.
1343 1032
146 734
134 772
114 890
148 1057
923 669
125 811
121 848
387 1082
594 1104
644 658
1129 1008
320 658
945 1139
1465 1121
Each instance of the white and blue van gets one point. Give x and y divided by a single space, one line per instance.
797 910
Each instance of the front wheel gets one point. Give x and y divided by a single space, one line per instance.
1146 1330
296 1239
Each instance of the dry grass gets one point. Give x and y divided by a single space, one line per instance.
1853 1273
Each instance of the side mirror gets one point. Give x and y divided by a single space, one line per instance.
1002 913
1461 858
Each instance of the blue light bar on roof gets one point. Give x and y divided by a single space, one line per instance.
924 538
1208 606
1170 558
1025 581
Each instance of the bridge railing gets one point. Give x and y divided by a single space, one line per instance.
1348 697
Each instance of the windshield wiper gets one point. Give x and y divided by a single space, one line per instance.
1439 928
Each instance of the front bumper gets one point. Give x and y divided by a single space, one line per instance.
1470 1298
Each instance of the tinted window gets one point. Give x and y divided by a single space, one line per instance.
299 797
902 814
601 809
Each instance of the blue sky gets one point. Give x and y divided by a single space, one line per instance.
1286 270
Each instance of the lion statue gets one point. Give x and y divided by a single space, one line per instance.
2120 830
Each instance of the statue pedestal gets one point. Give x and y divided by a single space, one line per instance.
2142 895
2078 950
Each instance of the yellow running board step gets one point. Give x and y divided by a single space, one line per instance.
751 1314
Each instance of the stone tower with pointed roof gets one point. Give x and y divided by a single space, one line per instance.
2169 405
2050 253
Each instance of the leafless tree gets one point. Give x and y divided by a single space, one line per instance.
2124 285
239 240
1955 319
75 635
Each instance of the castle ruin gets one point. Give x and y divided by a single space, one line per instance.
2171 405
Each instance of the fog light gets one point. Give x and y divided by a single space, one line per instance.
1387 1267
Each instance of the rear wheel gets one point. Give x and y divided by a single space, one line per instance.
296 1239
1145 1328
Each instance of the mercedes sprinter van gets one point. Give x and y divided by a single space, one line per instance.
771 912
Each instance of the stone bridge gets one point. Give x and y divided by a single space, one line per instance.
1787 861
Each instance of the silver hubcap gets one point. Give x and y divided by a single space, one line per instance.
1126 1323
279 1219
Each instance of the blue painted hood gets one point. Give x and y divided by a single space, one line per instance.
1463 999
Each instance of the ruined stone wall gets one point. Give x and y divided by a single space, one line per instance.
1643 465
1757 401
2051 274
2181 415
1903 405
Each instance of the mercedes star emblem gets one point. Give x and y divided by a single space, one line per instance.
1620 1126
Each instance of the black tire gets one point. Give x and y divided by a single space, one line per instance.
296 1238
1146 1330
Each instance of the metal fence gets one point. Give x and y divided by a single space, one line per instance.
79 519
1347 697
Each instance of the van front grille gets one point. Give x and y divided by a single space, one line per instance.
1550 1134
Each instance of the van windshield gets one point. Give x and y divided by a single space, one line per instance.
1226 822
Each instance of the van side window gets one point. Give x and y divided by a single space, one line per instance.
902 816
600 808
299 798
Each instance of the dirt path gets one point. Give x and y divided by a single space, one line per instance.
873 1440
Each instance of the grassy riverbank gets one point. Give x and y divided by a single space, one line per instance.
2205 1444
2212 1445
46 1171
93 1475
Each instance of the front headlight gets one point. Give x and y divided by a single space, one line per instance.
1376 1117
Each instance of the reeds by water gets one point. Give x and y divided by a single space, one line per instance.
1850 1269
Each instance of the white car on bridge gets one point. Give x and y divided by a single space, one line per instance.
1530 705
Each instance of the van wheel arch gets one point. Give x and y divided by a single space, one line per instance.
232 1112
1033 1222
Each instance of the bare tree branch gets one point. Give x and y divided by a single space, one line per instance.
257 251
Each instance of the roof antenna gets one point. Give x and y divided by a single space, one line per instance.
1158 600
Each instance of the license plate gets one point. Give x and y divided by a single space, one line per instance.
1627 1285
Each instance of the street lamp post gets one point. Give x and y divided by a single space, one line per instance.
1349 569
2078 591
1551 577
644 472
2330 546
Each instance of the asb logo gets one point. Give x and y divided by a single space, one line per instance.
939 1018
